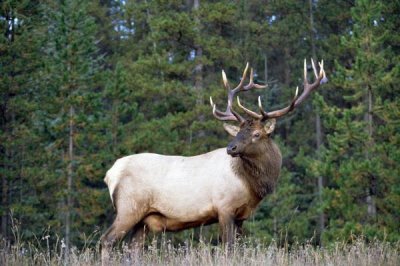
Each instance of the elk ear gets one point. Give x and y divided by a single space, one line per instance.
269 127
231 129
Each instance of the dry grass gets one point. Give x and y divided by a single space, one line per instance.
164 253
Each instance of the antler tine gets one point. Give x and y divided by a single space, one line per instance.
308 88
314 69
223 116
230 114
320 78
281 112
263 113
225 80
252 84
240 85
249 112
305 70
322 71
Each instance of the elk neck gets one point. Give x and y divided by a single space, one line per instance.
260 172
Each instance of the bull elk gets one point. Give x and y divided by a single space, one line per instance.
171 193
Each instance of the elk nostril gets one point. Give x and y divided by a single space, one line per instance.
234 148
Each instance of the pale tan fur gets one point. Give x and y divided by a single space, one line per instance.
179 190
170 193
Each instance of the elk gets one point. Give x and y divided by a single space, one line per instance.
171 193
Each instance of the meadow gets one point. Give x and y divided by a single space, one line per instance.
161 251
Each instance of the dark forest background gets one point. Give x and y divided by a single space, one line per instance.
83 83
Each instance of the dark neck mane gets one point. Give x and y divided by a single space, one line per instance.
260 173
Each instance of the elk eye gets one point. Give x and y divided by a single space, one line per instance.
257 135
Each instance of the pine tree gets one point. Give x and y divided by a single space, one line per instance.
20 39
355 157
72 102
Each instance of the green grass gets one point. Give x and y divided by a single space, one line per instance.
162 252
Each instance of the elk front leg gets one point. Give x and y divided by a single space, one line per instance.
227 229
239 228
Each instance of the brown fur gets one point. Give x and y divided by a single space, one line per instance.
259 159
261 173
157 222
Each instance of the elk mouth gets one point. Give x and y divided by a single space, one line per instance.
232 150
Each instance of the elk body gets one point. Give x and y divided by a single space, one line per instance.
171 193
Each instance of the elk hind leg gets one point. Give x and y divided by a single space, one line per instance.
138 237
121 225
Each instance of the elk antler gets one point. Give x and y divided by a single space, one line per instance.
230 114
308 88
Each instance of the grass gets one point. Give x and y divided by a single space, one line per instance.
162 252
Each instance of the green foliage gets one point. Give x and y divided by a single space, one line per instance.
138 74
356 155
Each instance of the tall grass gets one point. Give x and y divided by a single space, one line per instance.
162 252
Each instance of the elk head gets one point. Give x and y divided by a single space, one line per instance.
253 131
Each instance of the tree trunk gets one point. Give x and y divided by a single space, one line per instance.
114 122
265 68
4 204
7 120
318 130
275 220
370 200
198 70
318 134
148 20
198 84
70 172
286 82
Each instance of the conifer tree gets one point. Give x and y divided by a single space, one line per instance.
355 156
20 39
72 64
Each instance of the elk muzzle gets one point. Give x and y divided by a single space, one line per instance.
232 149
